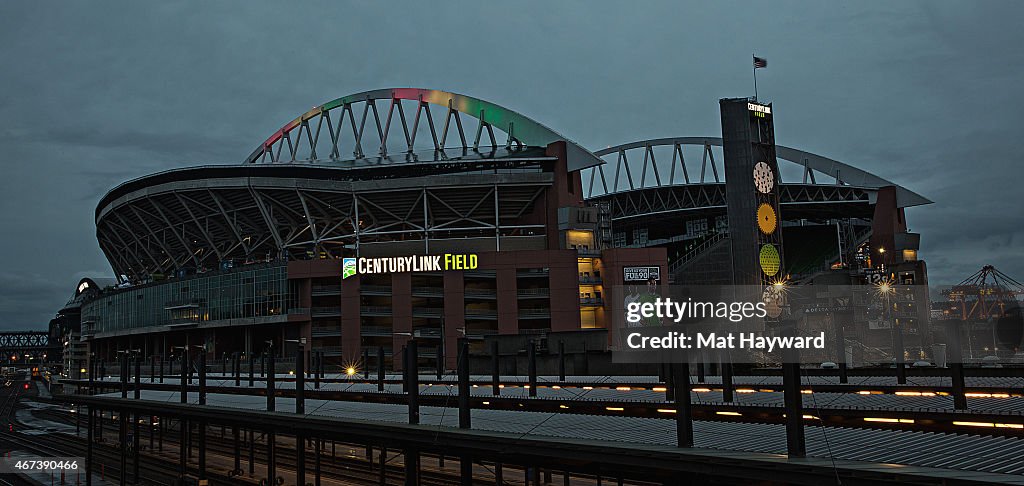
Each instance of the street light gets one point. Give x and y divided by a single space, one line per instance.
885 289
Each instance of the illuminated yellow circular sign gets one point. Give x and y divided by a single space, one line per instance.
766 220
770 260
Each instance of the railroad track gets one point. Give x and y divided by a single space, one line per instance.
341 469
106 458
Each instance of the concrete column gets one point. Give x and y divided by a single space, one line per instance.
454 314
351 341
401 309
508 304
564 282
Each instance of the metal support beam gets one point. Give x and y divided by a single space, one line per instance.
237 449
412 379
300 457
680 378
495 369
561 361
412 467
793 397
366 363
727 388
531 353
300 381
380 368
271 459
465 416
89 442
271 378
466 470
956 366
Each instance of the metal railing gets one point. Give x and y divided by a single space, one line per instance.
375 289
712 240
375 310
427 312
533 292
326 289
428 291
325 331
485 313
375 331
325 311
491 293
534 313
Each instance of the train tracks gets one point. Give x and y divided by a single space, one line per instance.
335 469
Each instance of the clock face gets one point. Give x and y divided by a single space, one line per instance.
769 259
766 219
764 179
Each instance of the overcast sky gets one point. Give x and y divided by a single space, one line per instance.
95 93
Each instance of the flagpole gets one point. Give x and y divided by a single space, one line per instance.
755 76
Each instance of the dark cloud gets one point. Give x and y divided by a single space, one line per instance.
923 93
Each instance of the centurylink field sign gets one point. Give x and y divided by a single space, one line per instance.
414 263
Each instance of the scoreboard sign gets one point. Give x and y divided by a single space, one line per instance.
641 274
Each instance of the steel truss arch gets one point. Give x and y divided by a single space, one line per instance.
318 129
595 179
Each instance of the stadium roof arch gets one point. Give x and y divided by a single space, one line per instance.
841 173
305 131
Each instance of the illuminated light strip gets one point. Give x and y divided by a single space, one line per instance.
556 387
806 392
701 390
989 424
614 409
987 395
811 417
745 390
888 420
588 388
865 392
563 406
915 394
622 388
666 410
659 389
487 403
732 414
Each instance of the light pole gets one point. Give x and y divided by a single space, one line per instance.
300 408
886 289
300 376
271 436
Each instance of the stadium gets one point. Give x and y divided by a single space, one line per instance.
396 214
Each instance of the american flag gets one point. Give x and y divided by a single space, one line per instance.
760 62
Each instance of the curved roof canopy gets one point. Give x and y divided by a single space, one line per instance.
365 119
844 174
